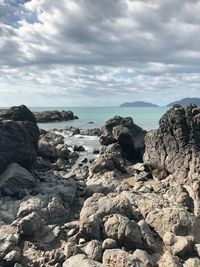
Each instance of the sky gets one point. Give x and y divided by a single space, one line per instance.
98 52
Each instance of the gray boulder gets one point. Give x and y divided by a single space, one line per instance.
15 179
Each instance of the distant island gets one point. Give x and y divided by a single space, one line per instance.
185 101
138 104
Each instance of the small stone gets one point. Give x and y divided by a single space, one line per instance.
13 257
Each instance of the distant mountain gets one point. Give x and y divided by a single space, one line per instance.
185 101
138 104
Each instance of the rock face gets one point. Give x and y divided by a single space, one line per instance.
19 138
174 148
55 115
127 134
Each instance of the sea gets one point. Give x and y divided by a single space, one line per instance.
90 117
95 117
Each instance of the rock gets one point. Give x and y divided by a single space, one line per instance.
106 163
174 219
9 239
174 147
124 231
144 257
192 262
120 258
71 249
54 115
19 140
13 257
18 113
197 249
52 147
79 148
148 235
97 207
91 132
168 260
94 250
109 243
81 260
30 224
180 245
127 134
15 179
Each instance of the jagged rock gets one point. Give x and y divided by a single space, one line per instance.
81 260
94 250
174 148
124 231
148 235
55 115
97 207
19 139
127 134
15 179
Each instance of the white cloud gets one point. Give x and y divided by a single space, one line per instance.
87 49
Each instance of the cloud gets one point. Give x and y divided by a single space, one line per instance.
86 49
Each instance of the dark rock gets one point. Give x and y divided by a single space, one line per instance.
18 113
127 134
91 132
79 148
55 115
174 148
19 139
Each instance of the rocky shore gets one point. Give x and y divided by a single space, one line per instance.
40 117
135 203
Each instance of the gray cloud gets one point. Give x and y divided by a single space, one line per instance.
143 49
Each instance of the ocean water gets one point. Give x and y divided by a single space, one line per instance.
147 118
